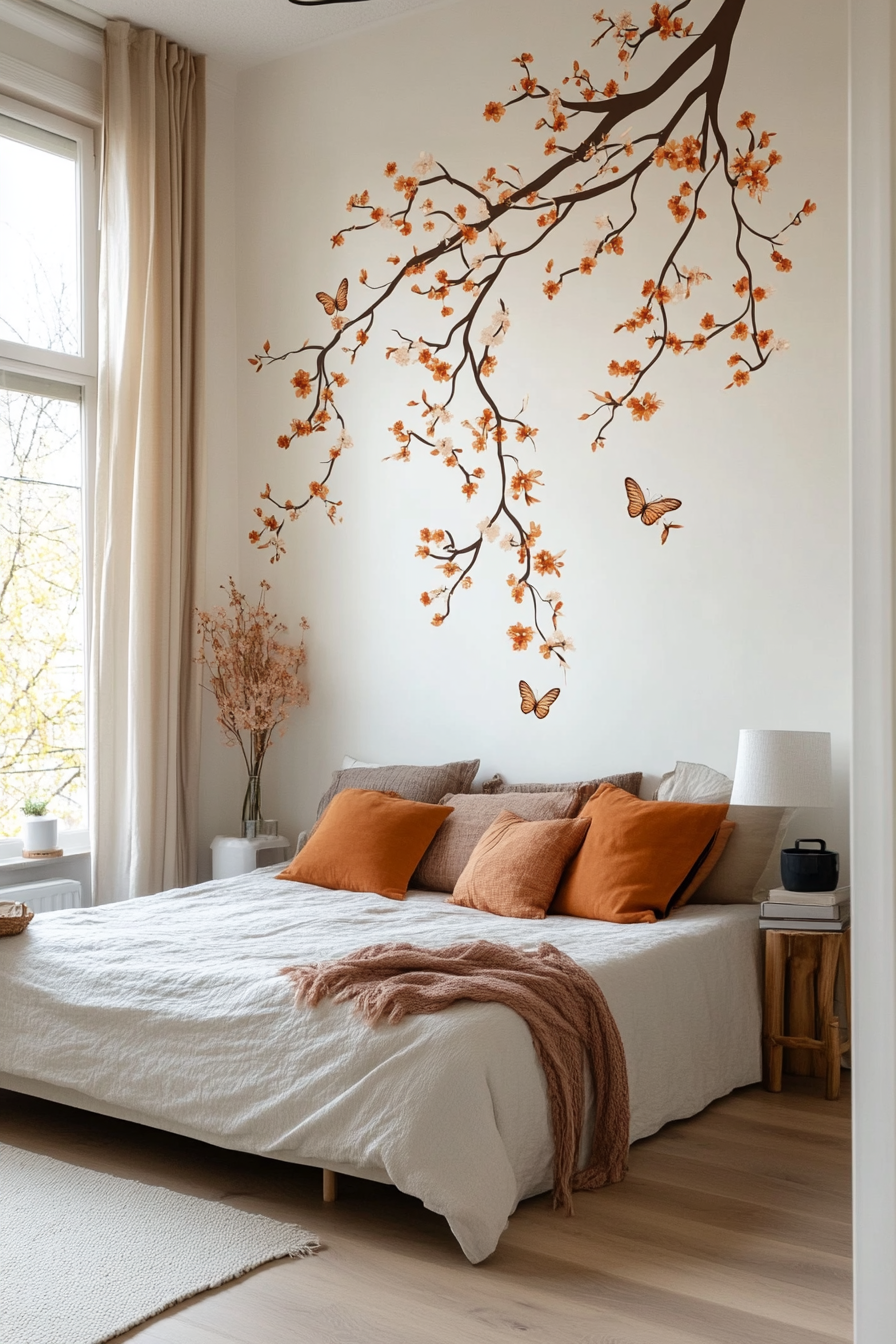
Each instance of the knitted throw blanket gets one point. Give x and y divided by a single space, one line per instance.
562 1005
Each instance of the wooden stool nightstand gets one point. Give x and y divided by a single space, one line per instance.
813 1041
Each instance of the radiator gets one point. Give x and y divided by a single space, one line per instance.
63 894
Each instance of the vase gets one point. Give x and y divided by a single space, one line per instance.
251 825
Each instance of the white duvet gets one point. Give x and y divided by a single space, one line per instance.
171 1007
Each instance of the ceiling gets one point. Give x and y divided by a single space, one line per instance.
248 32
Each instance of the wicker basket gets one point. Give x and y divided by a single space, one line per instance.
15 923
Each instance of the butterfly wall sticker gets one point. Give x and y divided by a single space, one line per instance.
330 304
650 511
531 705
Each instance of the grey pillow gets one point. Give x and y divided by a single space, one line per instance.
631 783
459 834
418 783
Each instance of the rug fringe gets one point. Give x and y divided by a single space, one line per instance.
306 1245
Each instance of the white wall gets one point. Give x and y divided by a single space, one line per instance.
741 620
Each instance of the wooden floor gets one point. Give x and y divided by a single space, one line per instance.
731 1228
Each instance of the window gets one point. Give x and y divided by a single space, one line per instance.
47 402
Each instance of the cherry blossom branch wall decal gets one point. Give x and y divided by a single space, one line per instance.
464 268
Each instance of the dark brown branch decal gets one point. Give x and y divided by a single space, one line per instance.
477 236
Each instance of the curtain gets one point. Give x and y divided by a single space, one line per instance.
144 735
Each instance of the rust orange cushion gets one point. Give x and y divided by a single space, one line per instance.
516 865
636 856
367 841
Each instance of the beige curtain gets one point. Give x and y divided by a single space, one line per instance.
144 692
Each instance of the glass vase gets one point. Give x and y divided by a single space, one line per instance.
251 824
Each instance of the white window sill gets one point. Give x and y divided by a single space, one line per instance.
71 843
16 861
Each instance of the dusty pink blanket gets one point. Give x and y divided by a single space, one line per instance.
562 1005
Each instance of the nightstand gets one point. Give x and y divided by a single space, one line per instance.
231 856
800 979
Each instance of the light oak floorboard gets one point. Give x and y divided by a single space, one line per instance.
731 1228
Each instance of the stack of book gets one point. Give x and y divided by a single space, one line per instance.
816 911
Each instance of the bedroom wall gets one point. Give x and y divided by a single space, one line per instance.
739 620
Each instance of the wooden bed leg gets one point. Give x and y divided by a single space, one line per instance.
330 1187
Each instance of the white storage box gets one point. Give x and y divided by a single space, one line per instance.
62 894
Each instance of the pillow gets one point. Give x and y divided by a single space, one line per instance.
705 865
631 783
367 841
636 856
349 763
419 783
515 867
473 814
751 864
692 783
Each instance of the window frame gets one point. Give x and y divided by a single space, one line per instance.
78 370
88 241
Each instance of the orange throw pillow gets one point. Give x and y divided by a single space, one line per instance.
367 841
636 856
706 865
516 865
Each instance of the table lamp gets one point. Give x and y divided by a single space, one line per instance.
791 770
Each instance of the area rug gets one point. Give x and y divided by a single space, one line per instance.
85 1256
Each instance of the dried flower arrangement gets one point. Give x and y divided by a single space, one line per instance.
255 678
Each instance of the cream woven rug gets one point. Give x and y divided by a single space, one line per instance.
85 1256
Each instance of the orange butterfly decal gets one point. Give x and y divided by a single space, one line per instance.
331 304
650 511
540 707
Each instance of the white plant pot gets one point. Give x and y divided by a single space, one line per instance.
39 833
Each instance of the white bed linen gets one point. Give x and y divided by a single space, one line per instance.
172 1007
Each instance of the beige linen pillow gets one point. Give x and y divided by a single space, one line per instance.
693 783
516 866
473 814
750 864
630 782
417 783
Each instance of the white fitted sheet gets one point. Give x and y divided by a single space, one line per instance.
170 1010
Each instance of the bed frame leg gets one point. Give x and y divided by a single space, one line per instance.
330 1187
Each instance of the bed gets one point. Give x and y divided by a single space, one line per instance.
170 1011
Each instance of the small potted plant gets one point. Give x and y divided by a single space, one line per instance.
38 830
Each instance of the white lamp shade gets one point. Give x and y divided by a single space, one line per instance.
782 769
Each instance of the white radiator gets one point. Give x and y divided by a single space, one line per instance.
63 894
